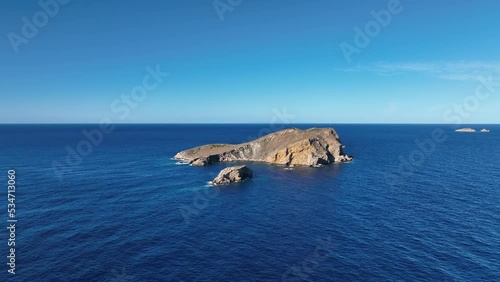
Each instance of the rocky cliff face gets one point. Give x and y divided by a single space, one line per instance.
312 147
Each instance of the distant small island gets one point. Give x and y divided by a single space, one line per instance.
289 147
466 130
471 130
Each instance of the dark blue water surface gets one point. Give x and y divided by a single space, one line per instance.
128 212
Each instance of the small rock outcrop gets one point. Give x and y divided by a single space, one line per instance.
465 130
485 130
311 147
232 174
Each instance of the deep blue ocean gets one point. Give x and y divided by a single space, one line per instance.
127 212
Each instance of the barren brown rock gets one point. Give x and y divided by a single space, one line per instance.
232 174
311 147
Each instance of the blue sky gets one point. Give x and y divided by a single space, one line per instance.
249 61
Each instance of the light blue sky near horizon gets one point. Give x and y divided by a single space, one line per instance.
264 57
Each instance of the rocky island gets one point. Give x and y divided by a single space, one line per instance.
471 130
465 130
290 147
232 174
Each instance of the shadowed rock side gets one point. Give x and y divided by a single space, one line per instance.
311 147
232 174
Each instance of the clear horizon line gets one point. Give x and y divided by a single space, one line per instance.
242 123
